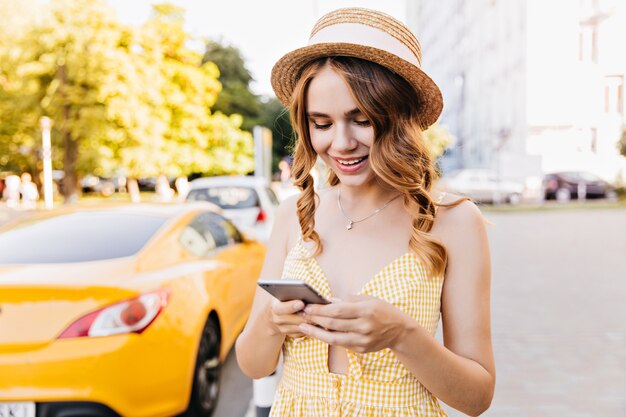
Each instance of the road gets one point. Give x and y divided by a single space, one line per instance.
235 390
558 310
559 334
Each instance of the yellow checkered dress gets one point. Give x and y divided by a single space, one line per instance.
376 384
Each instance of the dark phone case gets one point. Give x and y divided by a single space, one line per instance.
291 290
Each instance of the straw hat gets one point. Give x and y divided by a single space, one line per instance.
369 35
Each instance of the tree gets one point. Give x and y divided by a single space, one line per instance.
18 147
438 139
191 138
135 101
66 67
621 144
236 96
276 117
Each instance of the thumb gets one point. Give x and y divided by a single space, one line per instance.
287 307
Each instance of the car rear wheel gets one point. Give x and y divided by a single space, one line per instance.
515 199
206 378
563 195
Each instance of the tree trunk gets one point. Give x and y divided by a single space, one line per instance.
133 190
70 154
70 181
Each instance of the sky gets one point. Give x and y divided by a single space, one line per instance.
263 30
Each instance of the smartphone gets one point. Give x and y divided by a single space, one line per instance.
288 289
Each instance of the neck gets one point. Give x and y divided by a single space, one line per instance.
365 198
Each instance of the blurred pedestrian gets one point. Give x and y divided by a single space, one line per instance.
163 190
133 190
182 188
11 192
390 253
29 192
284 166
285 188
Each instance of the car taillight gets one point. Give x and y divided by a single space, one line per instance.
261 216
552 184
130 316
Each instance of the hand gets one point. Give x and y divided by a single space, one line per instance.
285 317
362 324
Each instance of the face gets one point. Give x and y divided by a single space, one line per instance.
340 134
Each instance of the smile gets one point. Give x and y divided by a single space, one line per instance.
351 165
349 162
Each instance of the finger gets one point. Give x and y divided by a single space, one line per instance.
332 338
335 324
292 331
287 307
343 310
288 319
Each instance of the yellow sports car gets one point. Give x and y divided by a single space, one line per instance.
121 311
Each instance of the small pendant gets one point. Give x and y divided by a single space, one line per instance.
349 226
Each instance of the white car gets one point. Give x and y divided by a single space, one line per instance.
247 201
482 185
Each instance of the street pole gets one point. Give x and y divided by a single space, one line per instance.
262 153
46 125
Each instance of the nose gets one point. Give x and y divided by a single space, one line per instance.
344 140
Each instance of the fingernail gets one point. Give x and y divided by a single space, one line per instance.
298 305
304 328
307 309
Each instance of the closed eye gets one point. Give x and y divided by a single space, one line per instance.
324 126
362 122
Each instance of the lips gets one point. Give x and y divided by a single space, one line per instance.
350 165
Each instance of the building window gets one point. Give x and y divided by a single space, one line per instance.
588 41
614 94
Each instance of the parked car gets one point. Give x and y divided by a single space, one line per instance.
121 311
483 185
248 201
564 186
100 185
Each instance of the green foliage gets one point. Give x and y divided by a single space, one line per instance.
125 100
236 96
276 117
438 139
621 144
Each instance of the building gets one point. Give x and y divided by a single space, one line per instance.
529 86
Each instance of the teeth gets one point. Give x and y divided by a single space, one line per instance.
352 162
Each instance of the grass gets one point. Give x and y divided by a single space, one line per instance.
146 197
555 206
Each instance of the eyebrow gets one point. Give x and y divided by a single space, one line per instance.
349 113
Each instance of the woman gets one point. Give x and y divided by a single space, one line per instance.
392 254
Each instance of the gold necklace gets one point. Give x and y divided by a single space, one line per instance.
350 221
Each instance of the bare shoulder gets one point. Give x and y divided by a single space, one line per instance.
286 223
456 218
288 205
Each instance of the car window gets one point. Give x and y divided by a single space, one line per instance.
209 231
272 196
227 197
588 177
570 177
78 237
232 232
